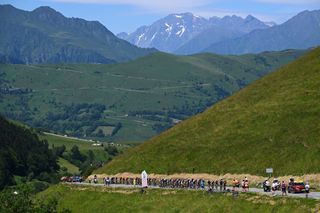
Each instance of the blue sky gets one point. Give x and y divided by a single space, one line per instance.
127 15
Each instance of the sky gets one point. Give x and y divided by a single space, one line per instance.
127 15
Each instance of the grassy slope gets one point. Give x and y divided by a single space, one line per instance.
157 83
272 123
84 147
95 199
70 167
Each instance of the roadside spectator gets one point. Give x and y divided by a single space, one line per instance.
283 188
243 186
221 184
202 184
307 187
246 185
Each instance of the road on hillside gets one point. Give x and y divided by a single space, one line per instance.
313 195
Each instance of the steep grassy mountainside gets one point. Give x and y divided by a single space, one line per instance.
46 36
102 199
274 122
131 101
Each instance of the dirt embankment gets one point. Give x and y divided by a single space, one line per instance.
313 179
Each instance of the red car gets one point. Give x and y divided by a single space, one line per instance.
296 187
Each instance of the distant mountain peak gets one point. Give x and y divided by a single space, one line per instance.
7 6
45 9
308 13
184 15
175 30
78 41
250 18
47 13
178 15
299 32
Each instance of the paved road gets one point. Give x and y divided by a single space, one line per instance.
313 195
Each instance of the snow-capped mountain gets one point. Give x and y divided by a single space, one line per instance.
221 29
177 30
169 33
270 23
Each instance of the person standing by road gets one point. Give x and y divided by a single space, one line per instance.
221 184
243 186
202 184
283 188
307 187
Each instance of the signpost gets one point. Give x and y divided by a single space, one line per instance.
269 171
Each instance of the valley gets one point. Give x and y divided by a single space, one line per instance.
131 101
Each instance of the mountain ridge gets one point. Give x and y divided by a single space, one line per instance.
300 32
175 30
46 36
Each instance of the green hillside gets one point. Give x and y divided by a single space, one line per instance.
72 169
131 101
272 123
23 154
46 36
54 141
86 159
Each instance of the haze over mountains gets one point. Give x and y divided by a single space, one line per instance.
189 34
180 32
46 36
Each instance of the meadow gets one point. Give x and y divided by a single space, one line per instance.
100 199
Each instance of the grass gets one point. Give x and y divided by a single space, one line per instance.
71 168
69 143
84 147
157 83
99 199
274 122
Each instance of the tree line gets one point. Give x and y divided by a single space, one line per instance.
23 154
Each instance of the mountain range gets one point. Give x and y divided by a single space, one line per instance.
180 33
189 34
46 36
300 32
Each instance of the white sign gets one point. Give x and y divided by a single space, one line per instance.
144 178
269 170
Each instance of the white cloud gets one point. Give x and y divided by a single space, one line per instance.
165 5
